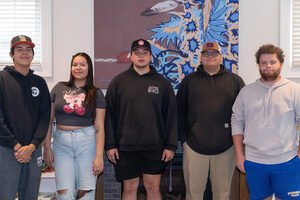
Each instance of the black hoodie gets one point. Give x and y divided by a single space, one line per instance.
141 112
24 108
204 105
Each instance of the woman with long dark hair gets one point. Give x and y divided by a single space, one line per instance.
79 109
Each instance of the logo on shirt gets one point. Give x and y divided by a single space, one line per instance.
153 89
294 194
35 91
74 101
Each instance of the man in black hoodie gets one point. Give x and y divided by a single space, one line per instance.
141 135
205 100
24 120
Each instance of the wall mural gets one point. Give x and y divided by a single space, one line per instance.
176 29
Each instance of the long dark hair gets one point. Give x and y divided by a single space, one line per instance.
90 89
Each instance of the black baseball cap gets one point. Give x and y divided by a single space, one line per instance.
140 43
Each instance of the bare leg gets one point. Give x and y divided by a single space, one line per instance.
152 183
130 189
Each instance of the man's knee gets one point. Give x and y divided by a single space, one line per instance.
131 186
152 187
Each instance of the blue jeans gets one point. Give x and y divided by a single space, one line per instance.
74 153
17 177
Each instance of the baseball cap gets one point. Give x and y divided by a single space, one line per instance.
140 43
21 39
210 46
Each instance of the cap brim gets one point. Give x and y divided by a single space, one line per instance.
20 42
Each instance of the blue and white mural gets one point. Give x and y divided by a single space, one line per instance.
187 24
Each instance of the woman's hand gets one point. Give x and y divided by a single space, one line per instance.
48 157
98 165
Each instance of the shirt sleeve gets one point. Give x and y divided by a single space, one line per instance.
44 117
182 95
6 137
170 117
237 118
297 106
100 100
110 116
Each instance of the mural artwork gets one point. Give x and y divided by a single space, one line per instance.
176 29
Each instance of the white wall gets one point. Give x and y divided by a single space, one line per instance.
73 31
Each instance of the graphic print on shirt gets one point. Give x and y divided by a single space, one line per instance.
35 91
74 102
153 89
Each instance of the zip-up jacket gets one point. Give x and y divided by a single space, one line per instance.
141 112
204 105
24 108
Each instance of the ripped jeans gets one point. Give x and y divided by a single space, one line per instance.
74 153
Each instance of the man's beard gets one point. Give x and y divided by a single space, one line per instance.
270 76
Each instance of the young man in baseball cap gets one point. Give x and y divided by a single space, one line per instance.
205 98
24 120
141 135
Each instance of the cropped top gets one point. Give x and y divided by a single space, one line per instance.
69 105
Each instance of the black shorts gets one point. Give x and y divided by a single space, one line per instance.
132 164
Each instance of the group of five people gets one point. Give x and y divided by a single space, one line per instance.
138 123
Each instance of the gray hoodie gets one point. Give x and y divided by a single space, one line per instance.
268 117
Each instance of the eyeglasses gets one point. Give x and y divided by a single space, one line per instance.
212 54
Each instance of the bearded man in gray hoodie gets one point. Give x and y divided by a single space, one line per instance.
265 123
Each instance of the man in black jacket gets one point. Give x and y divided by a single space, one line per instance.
205 100
24 121
141 135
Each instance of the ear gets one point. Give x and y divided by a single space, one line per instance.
12 56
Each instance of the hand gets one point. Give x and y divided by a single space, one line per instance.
167 155
98 166
112 154
24 153
48 157
240 159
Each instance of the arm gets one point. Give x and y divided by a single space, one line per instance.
98 164
170 121
181 96
48 153
7 138
44 118
111 123
239 151
42 126
238 126
299 149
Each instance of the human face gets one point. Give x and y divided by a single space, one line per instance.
141 58
23 55
79 68
269 67
211 58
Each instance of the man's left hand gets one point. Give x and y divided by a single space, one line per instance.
167 155
23 155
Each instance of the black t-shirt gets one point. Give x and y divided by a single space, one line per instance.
69 105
